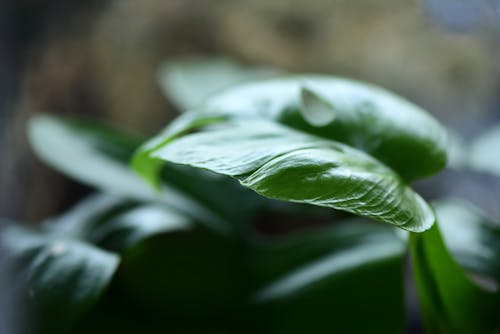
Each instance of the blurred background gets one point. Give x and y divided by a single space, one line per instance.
99 59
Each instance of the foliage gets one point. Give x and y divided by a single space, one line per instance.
190 255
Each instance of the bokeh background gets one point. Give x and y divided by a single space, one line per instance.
99 59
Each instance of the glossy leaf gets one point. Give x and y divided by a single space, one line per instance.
450 301
286 164
367 117
148 167
64 277
187 83
333 284
219 193
472 238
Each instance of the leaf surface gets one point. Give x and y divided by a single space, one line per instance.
282 163
395 131
325 279
65 278
116 224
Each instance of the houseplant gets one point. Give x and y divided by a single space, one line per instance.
188 249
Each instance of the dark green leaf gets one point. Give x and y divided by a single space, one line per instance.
334 278
274 257
64 277
191 277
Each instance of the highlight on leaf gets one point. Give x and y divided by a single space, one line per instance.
318 140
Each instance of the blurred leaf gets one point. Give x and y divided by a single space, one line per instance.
115 224
64 277
277 256
484 152
130 228
450 301
190 277
187 83
458 154
334 277
77 151
95 147
282 163
78 221
137 224
473 240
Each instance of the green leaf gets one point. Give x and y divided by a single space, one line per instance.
63 276
115 224
149 167
187 83
473 239
77 151
484 152
274 257
450 301
191 277
331 278
78 221
393 130
217 192
282 163
137 224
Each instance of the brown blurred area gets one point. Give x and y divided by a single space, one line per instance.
99 59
